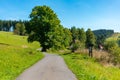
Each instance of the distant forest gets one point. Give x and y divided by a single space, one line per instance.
9 25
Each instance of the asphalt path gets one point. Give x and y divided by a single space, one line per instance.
51 67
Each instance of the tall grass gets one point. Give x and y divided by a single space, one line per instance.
86 68
16 54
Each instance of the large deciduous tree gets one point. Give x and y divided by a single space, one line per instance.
46 29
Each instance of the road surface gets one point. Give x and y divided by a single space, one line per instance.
51 67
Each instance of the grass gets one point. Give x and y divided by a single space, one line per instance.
86 68
114 37
16 54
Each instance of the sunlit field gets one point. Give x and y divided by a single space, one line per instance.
16 54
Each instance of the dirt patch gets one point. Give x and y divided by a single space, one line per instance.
24 46
4 44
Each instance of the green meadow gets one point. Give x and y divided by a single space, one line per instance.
16 54
86 68
114 37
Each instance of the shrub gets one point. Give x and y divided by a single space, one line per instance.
114 50
75 45
109 45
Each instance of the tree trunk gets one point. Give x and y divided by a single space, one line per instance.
43 49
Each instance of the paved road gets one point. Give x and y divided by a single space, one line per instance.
52 67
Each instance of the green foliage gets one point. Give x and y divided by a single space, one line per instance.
81 35
74 33
90 38
112 46
115 52
19 29
78 38
67 37
27 27
75 45
86 68
59 38
46 29
16 54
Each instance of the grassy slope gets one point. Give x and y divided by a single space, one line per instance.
114 37
86 68
16 55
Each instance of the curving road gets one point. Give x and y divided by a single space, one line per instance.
52 67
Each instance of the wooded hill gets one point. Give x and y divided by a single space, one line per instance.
102 34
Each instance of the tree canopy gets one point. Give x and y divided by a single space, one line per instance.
45 28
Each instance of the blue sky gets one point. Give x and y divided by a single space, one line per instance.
94 14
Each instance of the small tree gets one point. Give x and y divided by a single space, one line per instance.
19 29
75 45
114 50
90 40
67 37
109 45
81 37
74 33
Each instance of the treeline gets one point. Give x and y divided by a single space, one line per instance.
74 38
81 39
18 27
5 25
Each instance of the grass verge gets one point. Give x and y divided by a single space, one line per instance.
86 68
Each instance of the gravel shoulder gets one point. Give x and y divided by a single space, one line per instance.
51 67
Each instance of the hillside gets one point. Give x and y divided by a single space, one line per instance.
115 37
16 54
103 32
102 35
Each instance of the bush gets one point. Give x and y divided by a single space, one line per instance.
76 45
109 45
114 50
